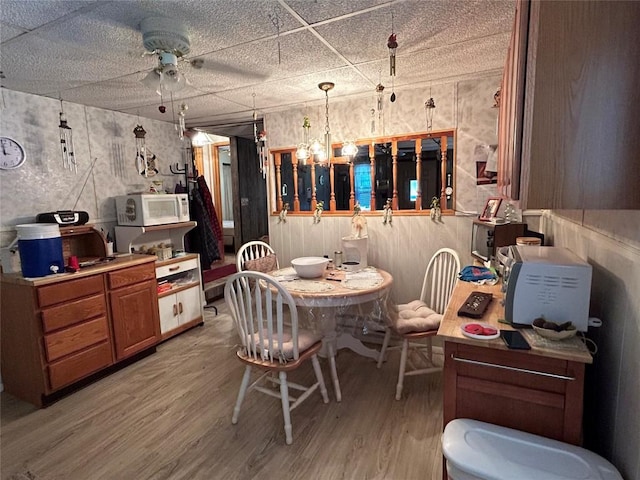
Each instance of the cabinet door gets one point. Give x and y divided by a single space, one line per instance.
169 319
570 105
535 394
189 305
134 312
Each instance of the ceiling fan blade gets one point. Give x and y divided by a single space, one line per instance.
210 65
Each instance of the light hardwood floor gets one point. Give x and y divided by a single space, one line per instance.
168 416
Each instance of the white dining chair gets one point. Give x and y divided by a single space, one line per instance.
256 255
420 319
269 345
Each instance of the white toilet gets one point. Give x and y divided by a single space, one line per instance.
481 451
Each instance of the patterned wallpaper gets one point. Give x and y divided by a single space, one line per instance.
105 150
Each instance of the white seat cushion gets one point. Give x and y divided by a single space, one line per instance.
306 339
414 316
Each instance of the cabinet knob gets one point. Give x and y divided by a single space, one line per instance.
180 307
175 310
173 269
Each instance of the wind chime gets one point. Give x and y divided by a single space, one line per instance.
260 138
392 45
180 126
66 143
429 107
379 109
145 160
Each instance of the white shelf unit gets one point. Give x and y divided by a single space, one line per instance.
181 307
130 239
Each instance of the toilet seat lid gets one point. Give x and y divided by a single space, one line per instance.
499 453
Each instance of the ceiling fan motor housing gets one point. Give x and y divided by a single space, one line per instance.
165 34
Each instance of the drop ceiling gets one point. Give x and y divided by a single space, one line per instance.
267 53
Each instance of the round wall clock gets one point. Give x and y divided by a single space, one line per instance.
12 154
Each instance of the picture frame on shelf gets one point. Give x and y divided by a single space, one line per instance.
491 208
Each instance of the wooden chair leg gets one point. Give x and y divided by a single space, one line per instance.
403 365
243 390
320 378
385 344
286 411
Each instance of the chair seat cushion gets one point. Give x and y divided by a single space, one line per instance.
306 339
262 264
414 316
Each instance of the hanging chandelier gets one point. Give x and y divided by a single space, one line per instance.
325 87
349 150
315 149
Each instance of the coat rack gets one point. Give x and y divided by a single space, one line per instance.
176 170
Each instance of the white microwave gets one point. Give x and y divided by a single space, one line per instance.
549 282
143 210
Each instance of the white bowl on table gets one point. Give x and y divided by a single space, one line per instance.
309 267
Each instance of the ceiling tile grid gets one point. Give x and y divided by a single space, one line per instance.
91 52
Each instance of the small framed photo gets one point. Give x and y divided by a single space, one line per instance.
491 208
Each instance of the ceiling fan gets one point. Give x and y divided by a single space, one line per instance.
168 39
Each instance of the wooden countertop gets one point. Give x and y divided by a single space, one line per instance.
572 349
121 261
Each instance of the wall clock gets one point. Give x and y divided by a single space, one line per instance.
12 154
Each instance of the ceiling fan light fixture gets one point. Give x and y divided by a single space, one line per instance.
173 81
152 81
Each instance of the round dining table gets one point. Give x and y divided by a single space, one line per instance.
323 299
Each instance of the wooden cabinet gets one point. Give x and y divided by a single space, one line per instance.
531 393
182 305
60 329
568 133
134 313
539 391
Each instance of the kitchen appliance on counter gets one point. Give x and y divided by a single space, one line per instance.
487 237
549 282
354 253
63 218
143 210
40 246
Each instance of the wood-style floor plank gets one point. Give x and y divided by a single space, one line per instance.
168 416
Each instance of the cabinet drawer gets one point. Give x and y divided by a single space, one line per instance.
131 275
61 316
177 267
65 291
76 338
80 365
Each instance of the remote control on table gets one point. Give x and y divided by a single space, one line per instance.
475 305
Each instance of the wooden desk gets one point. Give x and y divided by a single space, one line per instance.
538 391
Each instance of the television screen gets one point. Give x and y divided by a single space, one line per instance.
413 190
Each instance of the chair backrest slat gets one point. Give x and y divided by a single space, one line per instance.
259 314
440 278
